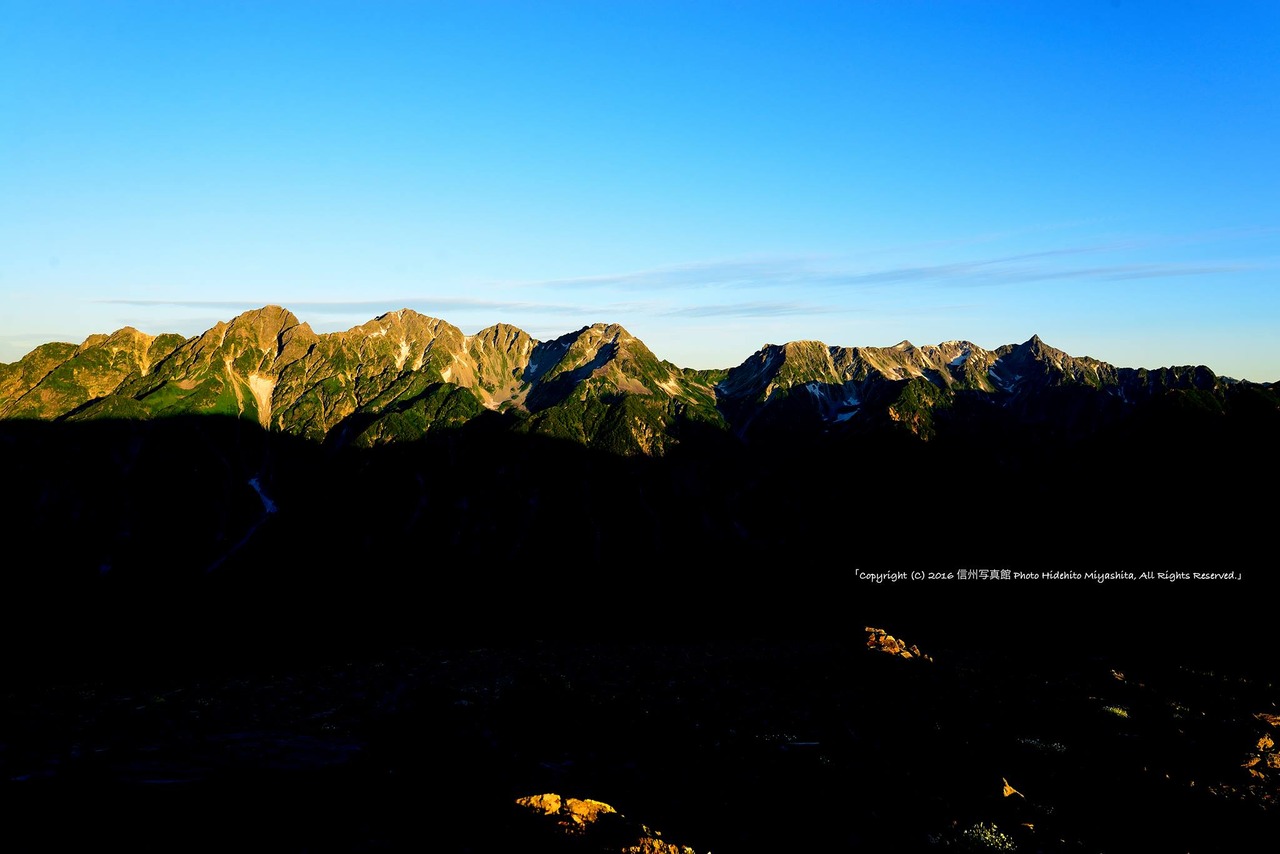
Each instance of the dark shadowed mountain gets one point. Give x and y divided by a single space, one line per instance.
404 466
263 567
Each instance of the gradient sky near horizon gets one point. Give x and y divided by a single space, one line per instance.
714 176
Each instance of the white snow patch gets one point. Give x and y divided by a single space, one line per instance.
960 360
262 386
403 356
268 506
1003 383
447 374
670 386
815 389
379 334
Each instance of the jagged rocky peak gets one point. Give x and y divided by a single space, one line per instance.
502 337
257 328
500 355
502 344
124 337
596 342
592 338
604 359
960 360
781 366
802 346
251 341
403 340
897 362
953 351
754 374
806 361
612 331
909 354
1035 362
124 346
17 378
1035 348
52 381
928 355
957 363
802 351
408 323
794 354
264 326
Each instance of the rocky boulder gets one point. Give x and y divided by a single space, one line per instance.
582 824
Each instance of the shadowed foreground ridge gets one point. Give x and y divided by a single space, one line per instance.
215 516
571 746
402 474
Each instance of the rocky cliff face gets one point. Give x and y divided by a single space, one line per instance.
579 824
56 380
401 375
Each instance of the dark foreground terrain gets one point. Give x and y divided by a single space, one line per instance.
215 636
983 742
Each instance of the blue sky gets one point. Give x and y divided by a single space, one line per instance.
713 176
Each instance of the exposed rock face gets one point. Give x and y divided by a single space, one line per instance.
922 391
882 641
56 379
1264 759
573 815
598 825
603 388
403 374
501 353
394 377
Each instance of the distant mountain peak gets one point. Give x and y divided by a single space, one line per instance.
612 332
269 315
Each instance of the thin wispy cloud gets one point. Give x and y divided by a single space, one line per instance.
1002 271
728 273
1009 269
755 309
1156 271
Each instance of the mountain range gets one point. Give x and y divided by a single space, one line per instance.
263 561
402 473
403 375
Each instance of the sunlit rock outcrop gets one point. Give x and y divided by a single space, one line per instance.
596 826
